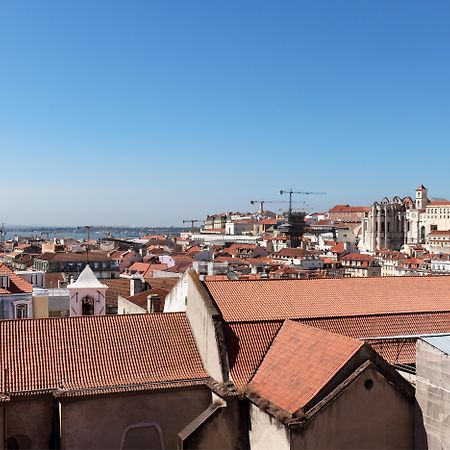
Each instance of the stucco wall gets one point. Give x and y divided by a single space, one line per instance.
40 306
267 433
200 313
176 299
140 420
433 395
220 430
8 304
30 422
360 418
126 307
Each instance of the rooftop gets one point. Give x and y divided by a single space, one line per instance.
442 343
300 363
241 301
87 280
90 352
17 284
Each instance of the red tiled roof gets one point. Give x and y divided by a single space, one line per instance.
300 362
438 203
146 269
358 257
245 352
291 253
338 248
268 221
51 279
439 233
92 256
97 351
285 299
140 299
17 284
349 209
116 287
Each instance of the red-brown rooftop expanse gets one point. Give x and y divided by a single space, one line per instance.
245 352
241 301
299 364
98 351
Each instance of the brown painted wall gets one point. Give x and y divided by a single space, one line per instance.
220 431
29 422
381 417
102 422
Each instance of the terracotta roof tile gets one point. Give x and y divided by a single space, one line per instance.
286 299
300 363
17 284
349 209
245 352
116 287
97 351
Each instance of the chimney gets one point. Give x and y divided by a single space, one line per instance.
136 285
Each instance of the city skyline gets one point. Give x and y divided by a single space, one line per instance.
151 113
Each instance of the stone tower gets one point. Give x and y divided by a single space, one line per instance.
87 295
421 197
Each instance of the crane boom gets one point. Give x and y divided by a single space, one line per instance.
192 222
263 202
291 191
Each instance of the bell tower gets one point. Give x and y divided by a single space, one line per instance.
421 197
87 295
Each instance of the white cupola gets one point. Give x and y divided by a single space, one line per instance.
87 295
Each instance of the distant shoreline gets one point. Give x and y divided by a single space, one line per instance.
79 233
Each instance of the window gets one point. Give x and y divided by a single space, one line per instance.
21 311
4 281
87 306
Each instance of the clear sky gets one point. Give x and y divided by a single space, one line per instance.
150 112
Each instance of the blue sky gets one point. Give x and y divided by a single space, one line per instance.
150 112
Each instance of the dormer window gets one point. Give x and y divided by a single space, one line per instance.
4 281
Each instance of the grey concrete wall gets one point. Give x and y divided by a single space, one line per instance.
359 418
151 420
433 397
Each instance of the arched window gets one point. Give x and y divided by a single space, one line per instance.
87 306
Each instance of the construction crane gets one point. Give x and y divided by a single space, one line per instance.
3 233
192 222
290 192
295 226
88 231
263 202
